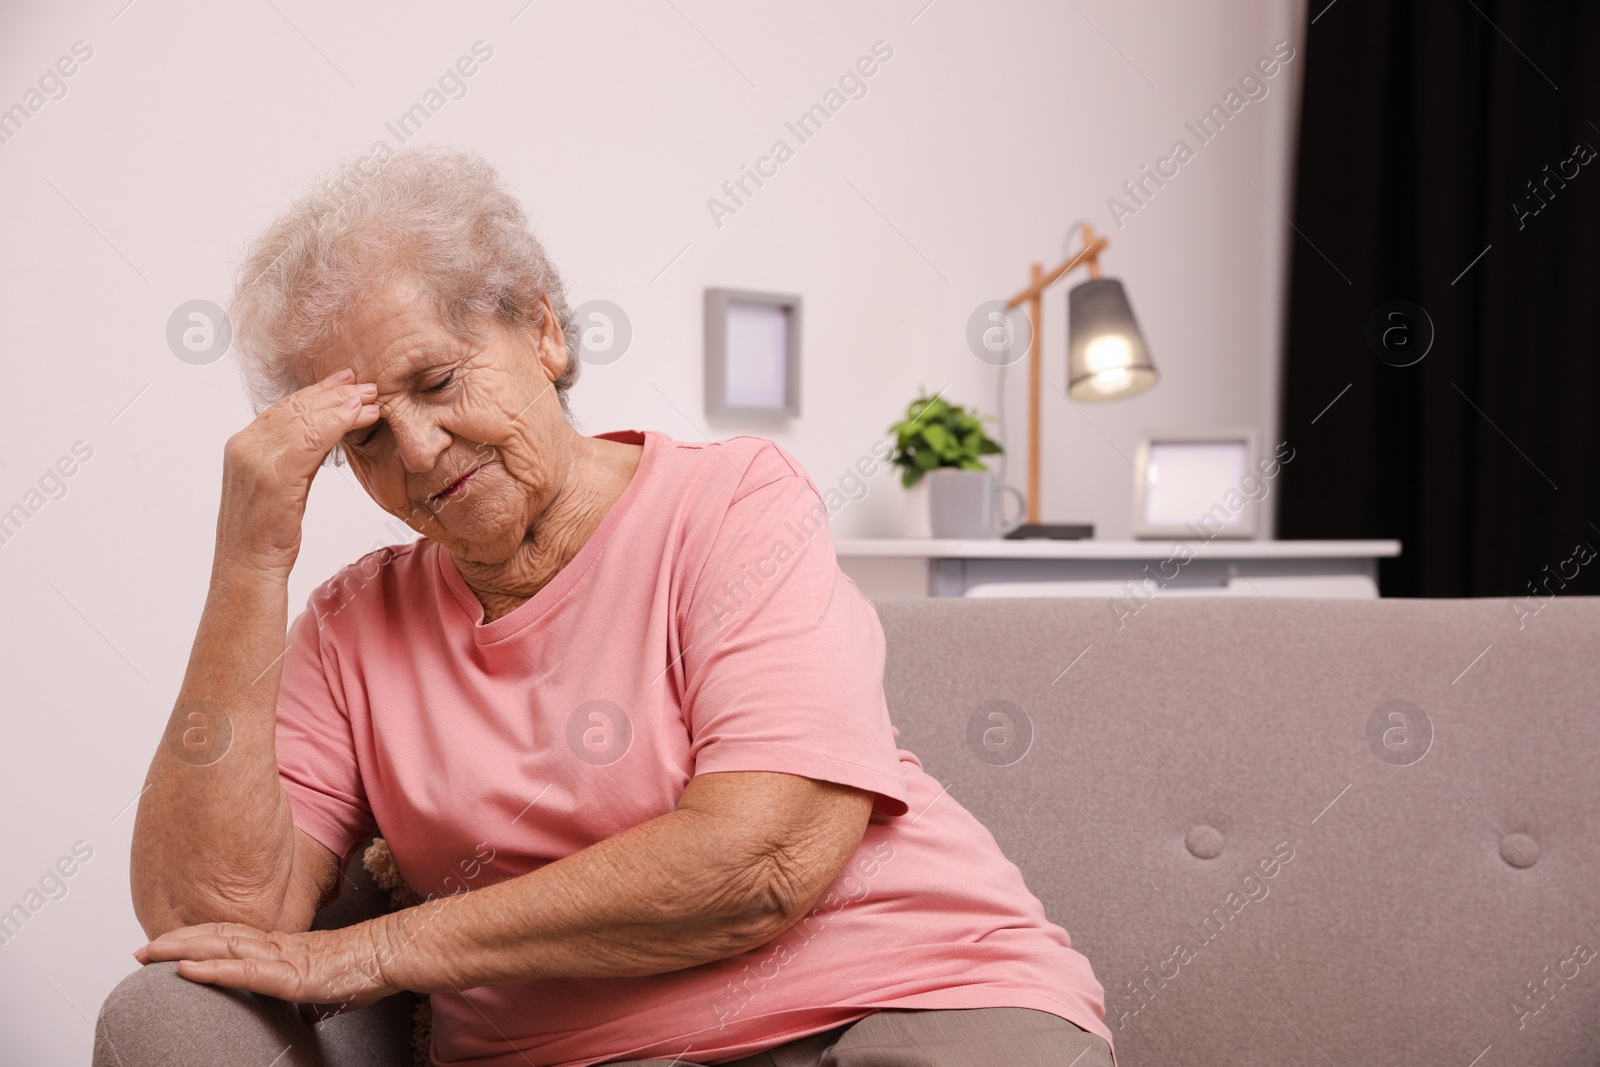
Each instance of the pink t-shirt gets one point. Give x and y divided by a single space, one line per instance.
705 626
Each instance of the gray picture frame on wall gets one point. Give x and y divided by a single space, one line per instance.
722 365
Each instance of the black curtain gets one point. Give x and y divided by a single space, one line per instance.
1448 162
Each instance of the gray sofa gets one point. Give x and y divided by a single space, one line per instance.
1285 833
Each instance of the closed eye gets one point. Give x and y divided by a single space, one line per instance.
367 440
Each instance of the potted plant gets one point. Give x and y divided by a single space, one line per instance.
944 442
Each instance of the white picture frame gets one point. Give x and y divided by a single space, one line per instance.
752 353
1197 485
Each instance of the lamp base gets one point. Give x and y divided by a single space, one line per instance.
1053 531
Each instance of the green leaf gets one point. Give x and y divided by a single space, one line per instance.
924 411
936 433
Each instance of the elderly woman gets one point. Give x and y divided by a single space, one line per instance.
617 712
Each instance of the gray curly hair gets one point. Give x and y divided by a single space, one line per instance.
437 216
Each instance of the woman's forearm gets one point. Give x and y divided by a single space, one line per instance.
644 902
683 889
214 838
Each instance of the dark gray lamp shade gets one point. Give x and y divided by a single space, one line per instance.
1106 356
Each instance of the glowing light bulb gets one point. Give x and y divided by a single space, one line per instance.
1107 353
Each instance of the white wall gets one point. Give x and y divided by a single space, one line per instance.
990 130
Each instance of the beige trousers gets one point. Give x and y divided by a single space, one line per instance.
1013 1037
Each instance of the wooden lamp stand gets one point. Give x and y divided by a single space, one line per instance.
1033 296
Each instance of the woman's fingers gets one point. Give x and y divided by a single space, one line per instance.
349 404
210 941
231 954
269 977
212 947
268 468
330 394
329 407
340 386
335 970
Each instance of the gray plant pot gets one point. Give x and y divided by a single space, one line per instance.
961 504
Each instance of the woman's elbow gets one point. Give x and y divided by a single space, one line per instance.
774 891
157 917
162 904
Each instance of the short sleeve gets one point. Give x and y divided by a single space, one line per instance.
783 655
316 749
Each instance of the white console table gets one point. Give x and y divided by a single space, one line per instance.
1103 568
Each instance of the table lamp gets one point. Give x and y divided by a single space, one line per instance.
1106 356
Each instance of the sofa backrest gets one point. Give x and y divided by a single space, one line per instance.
1288 832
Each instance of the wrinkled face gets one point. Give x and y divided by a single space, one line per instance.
451 409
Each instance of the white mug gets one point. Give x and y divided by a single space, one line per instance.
962 504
